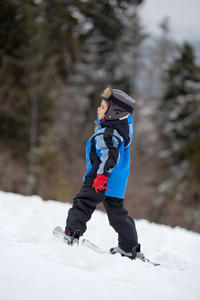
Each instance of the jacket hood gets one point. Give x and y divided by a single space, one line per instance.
123 127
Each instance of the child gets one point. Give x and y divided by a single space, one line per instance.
108 159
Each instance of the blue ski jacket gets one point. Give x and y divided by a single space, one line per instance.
108 153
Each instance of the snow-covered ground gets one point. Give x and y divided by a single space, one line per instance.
35 265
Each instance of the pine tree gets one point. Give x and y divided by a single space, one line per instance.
26 80
54 57
181 121
14 110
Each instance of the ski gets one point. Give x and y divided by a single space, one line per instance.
59 233
139 255
94 247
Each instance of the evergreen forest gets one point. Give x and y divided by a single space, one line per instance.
55 59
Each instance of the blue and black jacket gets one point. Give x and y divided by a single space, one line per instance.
108 153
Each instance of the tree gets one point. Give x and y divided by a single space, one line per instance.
55 57
25 75
181 124
14 109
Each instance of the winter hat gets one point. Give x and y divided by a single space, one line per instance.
121 105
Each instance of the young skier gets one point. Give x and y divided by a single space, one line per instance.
108 159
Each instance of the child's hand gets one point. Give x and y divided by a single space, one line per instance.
100 183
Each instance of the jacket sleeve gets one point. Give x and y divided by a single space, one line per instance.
107 146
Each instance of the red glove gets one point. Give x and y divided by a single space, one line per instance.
100 183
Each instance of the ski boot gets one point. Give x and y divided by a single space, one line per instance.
132 254
72 239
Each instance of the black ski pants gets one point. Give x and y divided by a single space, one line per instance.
83 207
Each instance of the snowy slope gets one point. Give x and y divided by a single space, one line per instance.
36 265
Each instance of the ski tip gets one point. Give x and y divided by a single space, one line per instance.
58 232
57 228
152 262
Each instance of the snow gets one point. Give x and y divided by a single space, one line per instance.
37 265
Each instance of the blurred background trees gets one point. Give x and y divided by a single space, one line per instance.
55 58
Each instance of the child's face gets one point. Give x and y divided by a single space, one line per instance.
101 110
